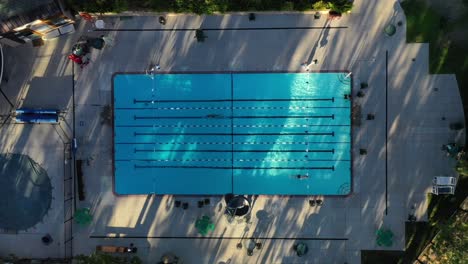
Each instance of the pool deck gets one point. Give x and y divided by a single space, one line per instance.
403 142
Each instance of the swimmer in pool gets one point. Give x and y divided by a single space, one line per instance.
214 116
302 176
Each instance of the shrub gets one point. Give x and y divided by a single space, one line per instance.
451 243
207 6
221 6
302 5
341 6
320 5
287 6
120 6
160 5
98 6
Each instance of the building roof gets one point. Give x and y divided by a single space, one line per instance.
15 13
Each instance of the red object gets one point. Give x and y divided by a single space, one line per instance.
75 59
86 16
333 15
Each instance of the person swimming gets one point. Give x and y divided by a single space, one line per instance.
302 176
214 116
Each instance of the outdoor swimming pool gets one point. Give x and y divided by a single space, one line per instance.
241 133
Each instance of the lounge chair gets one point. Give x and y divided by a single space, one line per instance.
444 180
438 189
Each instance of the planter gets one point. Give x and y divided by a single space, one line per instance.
200 35
162 20
390 30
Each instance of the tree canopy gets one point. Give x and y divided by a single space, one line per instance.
451 244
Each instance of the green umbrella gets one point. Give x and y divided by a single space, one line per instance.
83 217
384 237
204 225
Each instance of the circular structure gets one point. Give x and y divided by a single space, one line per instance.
237 207
26 192
390 30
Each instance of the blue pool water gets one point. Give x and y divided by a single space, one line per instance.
241 133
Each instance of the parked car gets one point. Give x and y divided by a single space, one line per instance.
446 189
444 180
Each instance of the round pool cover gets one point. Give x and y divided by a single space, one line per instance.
25 190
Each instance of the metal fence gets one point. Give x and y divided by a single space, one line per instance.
68 202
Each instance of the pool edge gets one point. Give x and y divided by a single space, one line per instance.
351 190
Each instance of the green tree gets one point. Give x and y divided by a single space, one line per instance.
101 258
120 6
207 6
451 244
341 6
462 166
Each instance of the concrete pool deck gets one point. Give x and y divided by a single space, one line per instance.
403 142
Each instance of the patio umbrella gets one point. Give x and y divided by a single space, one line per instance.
204 225
384 237
83 217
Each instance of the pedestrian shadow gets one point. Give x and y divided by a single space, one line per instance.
322 41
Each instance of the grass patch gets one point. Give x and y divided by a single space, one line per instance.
422 22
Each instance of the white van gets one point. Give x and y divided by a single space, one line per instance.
444 180
438 189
